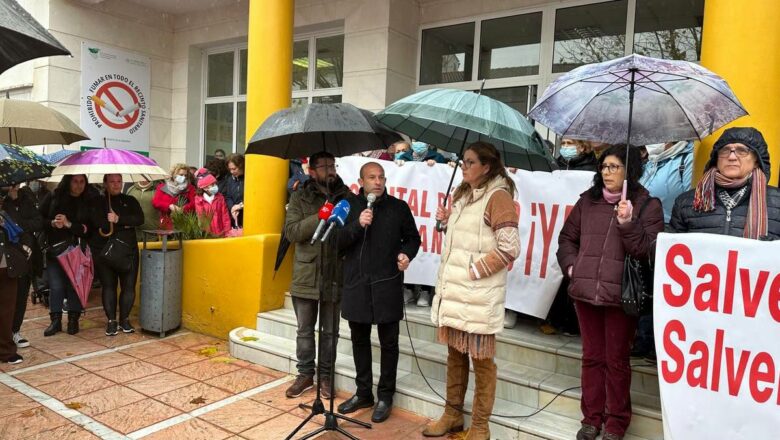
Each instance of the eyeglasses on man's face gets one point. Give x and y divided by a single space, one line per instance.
741 152
326 167
611 167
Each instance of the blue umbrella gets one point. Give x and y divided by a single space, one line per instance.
58 155
18 164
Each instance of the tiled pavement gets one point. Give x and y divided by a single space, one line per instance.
184 386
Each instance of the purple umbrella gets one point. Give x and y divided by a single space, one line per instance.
97 163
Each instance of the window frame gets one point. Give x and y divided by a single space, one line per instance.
312 92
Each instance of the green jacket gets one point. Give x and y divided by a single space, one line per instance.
299 227
151 215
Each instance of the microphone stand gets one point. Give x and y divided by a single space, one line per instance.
317 407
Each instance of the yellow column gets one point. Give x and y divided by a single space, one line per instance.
269 88
741 43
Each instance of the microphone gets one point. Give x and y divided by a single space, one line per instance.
323 215
337 218
371 197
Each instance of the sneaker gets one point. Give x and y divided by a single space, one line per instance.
126 327
15 359
510 318
409 297
111 328
20 341
301 385
425 299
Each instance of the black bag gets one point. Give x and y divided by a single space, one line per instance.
118 255
637 289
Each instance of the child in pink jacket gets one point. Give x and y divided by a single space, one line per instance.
208 201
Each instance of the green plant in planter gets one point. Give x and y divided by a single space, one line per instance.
192 225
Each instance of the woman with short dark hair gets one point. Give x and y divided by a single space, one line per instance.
598 234
234 189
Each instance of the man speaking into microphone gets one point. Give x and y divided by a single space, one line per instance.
378 242
305 213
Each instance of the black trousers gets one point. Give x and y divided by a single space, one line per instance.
22 292
108 281
361 351
7 303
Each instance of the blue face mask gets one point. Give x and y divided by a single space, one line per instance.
419 148
569 153
399 155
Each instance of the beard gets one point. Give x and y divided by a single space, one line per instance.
330 183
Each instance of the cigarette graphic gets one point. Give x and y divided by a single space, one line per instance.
128 110
106 105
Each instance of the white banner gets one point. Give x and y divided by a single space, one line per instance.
717 314
543 202
115 88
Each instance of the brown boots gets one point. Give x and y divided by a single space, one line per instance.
457 381
484 397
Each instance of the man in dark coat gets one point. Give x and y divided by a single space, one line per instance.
378 243
316 269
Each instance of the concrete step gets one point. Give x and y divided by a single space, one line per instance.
414 393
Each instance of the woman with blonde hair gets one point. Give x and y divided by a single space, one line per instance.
481 240
175 194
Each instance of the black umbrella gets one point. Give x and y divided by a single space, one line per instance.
22 38
18 164
340 129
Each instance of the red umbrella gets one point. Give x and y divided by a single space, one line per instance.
77 264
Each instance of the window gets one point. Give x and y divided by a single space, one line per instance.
321 80
520 98
589 34
510 46
447 54
224 114
669 29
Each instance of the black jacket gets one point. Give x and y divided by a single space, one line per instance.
586 162
373 285
130 216
685 219
233 190
24 213
76 209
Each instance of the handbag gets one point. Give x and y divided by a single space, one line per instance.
637 289
118 255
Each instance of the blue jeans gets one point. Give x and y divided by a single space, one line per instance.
60 289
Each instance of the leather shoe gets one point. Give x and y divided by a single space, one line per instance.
382 411
355 403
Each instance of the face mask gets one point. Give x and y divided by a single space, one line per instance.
212 190
399 155
654 149
419 147
180 179
569 153
35 186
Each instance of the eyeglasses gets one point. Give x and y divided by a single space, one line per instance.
333 167
739 151
469 163
613 168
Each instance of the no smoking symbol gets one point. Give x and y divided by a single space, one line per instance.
109 103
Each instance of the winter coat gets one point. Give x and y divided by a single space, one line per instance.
472 306
163 199
234 195
373 285
16 260
76 209
130 216
668 175
320 261
24 213
585 162
595 245
220 219
151 214
720 221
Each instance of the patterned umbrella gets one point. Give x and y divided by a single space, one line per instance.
637 100
58 155
97 163
18 164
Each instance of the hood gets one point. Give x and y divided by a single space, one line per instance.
748 136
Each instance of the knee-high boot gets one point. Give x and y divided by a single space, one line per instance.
484 397
457 381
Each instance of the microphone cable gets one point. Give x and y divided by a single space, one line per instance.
419 368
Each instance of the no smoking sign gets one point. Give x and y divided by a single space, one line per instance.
116 105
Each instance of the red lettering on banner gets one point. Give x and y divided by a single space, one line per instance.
436 241
713 287
717 360
401 191
774 299
750 299
678 275
673 375
412 202
731 275
757 374
735 377
423 205
548 226
529 255
423 238
701 364
355 188
567 211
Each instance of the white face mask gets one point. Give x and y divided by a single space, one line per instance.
655 149
212 190
180 179
34 186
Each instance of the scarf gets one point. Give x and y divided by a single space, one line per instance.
611 198
757 222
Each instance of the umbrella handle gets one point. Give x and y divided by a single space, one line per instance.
110 225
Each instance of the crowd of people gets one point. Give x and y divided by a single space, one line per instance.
108 219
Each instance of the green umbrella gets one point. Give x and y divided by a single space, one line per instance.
449 119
